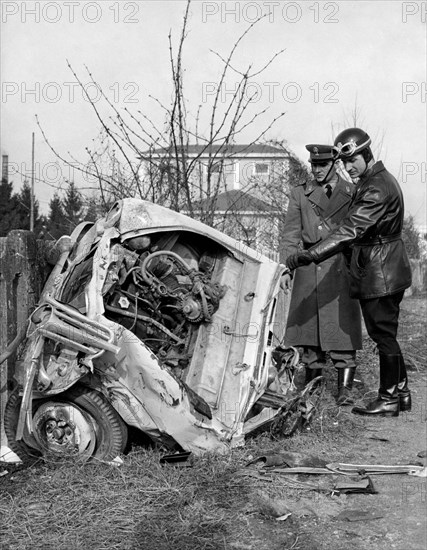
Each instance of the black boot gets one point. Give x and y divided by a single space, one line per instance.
311 374
387 402
403 391
345 385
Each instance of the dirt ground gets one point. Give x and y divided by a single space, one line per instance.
400 502
224 502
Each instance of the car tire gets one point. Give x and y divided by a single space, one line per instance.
91 428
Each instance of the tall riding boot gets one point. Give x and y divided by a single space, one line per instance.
310 374
345 385
387 402
403 391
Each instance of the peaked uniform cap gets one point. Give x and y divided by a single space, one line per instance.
321 153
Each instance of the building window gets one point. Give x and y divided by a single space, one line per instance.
222 167
217 167
261 169
226 172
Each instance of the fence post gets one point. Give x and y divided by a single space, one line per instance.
21 273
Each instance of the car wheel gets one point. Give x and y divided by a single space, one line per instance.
25 448
79 423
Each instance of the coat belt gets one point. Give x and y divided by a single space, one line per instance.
379 239
306 246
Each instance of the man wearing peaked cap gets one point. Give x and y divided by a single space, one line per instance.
379 271
322 160
322 316
320 153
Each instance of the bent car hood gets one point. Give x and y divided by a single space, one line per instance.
203 402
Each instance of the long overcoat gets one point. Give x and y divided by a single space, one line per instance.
321 311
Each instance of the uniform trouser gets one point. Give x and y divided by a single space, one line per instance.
381 317
314 358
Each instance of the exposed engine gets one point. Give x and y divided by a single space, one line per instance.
188 356
162 295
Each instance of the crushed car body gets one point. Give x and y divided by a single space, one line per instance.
151 320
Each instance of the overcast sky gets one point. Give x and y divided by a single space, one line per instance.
337 55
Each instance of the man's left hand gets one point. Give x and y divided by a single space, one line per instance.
286 282
301 258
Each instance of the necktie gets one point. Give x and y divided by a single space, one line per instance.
328 190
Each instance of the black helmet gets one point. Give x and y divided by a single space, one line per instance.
351 142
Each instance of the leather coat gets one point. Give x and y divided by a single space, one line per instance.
379 262
321 312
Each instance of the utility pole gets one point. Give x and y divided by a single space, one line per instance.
32 188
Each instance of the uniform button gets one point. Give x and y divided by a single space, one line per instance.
320 227
318 268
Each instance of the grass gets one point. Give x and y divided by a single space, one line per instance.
139 505
208 503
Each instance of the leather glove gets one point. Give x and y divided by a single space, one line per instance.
301 258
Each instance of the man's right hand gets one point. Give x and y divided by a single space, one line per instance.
304 257
286 282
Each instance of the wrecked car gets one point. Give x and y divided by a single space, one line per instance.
151 320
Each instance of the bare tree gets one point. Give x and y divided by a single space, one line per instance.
354 118
135 157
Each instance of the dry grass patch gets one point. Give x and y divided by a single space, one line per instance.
205 504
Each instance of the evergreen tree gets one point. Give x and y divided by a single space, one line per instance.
8 208
72 205
56 225
96 208
15 209
24 208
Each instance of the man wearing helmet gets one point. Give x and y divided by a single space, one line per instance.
322 316
379 269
